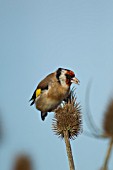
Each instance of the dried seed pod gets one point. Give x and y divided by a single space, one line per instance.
22 162
108 120
68 118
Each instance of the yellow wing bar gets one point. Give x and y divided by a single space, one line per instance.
38 91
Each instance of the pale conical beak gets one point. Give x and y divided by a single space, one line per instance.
75 80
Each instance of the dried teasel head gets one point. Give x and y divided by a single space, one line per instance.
68 118
22 162
108 120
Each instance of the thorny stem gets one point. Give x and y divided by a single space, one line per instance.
108 154
69 151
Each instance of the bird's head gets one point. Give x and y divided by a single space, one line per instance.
66 76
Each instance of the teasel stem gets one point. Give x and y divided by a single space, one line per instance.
67 123
108 154
69 151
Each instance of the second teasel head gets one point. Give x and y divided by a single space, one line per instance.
108 120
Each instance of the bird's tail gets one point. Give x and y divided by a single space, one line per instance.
43 115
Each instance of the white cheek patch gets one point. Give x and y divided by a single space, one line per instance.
62 78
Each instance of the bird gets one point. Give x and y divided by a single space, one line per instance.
52 90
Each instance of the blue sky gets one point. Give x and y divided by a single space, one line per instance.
37 37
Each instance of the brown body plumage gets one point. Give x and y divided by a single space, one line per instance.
54 89
54 95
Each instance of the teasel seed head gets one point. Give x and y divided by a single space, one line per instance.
108 120
68 118
22 162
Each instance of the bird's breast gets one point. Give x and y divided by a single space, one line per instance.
57 92
51 98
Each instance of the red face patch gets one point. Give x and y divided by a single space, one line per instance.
71 73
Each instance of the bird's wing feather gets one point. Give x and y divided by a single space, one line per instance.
45 82
43 85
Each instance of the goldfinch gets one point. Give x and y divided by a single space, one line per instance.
52 90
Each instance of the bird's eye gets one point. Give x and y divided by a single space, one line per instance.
68 76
